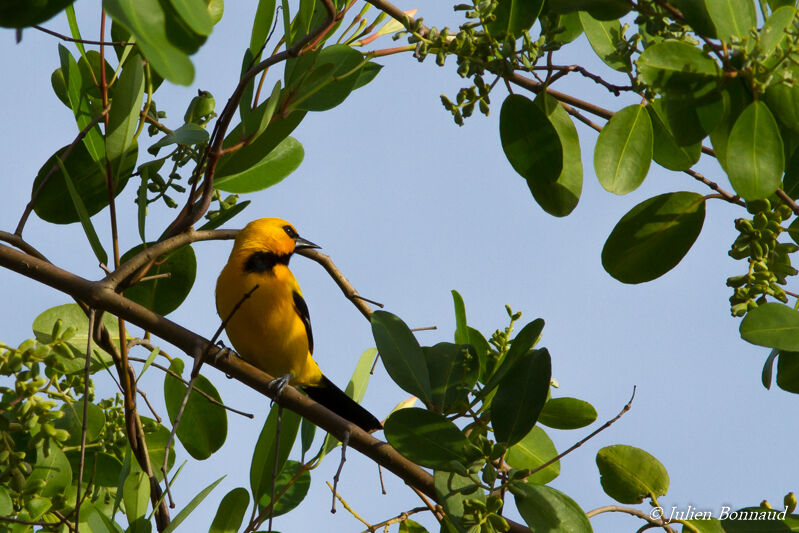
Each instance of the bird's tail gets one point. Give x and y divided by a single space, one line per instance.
335 399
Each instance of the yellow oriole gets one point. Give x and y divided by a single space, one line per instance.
272 328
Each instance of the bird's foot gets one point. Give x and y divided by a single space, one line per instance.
277 385
223 352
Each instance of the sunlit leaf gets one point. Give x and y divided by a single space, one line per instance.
630 475
653 237
624 150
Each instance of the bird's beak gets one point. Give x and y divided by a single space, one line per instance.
303 244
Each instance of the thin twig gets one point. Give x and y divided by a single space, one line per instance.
594 433
149 405
629 510
435 509
352 511
275 463
82 41
200 391
788 201
566 69
344 442
83 426
399 518
344 284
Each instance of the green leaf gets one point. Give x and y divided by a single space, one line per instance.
788 371
521 344
103 469
599 9
677 67
88 179
535 449
409 526
53 470
334 88
148 22
186 511
773 325
23 13
367 73
567 413
630 475
461 336
732 18
99 523
257 120
263 457
136 495
231 511
295 493
514 16
224 216
520 397
80 86
261 26
71 315
774 30
247 156
430 440
83 215
195 14
216 8
188 135
624 150
401 354
203 427
72 421
689 119
755 158
157 437
164 295
561 29
559 198
123 117
549 510
453 371
272 169
453 490
6 505
783 101
529 140
604 37
666 151
653 237
703 525
356 388
735 97
695 13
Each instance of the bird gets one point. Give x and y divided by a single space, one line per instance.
271 328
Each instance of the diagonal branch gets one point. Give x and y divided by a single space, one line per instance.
98 295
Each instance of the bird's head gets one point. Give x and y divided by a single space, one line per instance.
272 236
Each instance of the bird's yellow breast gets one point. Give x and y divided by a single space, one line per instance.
266 329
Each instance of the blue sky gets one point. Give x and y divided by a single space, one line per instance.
411 206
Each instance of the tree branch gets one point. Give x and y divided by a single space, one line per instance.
99 295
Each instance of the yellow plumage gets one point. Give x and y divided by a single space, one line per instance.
271 329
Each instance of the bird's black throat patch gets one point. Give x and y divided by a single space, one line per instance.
265 261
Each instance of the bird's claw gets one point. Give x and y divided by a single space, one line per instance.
222 353
277 385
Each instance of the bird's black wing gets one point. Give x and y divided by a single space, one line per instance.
302 311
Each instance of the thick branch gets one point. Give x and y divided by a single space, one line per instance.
99 295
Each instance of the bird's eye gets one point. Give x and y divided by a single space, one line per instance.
290 231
